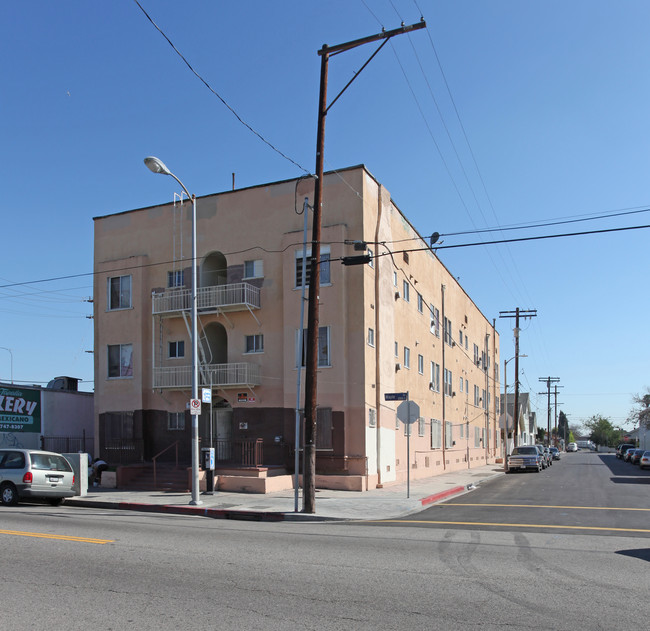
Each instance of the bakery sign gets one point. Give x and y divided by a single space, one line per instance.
20 410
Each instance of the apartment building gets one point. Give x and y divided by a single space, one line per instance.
400 323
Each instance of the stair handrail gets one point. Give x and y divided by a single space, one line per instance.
175 444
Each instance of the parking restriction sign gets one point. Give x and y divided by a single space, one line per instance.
195 407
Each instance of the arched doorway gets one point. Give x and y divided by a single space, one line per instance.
214 270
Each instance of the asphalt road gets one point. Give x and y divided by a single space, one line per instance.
584 492
86 569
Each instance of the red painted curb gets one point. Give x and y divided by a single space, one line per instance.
441 496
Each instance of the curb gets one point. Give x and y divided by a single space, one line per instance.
436 497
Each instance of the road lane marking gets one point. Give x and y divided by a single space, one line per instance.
42 535
479 523
545 506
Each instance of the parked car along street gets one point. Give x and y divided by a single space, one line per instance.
555 453
572 447
645 460
31 473
524 458
635 456
621 449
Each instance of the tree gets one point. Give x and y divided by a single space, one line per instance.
640 413
602 432
563 431
541 434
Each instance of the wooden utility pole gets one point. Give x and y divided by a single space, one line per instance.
311 362
548 381
516 314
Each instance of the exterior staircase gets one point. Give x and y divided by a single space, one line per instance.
141 477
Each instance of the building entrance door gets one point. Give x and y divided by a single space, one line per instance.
222 425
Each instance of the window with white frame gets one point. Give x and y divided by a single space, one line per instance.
176 349
406 291
119 292
372 417
447 332
175 278
421 426
420 303
483 399
255 343
255 268
420 364
435 377
175 421
371 337
449 435
436 434
460 337
323 346
477 396
448 382
435 320
396 349
462 428
120 360
407 357
477 437
476 355
395 279
324 266
461 384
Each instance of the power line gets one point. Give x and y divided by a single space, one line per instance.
207 85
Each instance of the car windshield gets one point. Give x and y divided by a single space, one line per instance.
50 462
524 451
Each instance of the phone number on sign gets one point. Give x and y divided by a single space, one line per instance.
9 426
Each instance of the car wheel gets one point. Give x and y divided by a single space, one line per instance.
9 494
55 501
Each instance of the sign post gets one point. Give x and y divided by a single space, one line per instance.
408 412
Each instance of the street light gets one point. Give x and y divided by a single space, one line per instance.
156 166
4 348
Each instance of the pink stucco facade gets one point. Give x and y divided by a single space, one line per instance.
383 331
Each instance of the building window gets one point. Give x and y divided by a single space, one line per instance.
449 437
255 269
323 346
407 357
420 364
462 427
406 288
420 303
447 332
421 426
394 279
435 320
435 377
118 426
119 292
255 343
175 278
477 437
483 400
476 396
176 350
396 349
120 360
176 420
436 434
476 356
448 382
371 337
460 337
372 417
324 266
461 384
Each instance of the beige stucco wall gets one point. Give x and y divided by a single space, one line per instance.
262 223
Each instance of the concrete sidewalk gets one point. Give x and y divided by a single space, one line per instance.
388 502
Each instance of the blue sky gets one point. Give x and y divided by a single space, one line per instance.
541 114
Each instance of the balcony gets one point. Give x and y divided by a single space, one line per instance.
234 297
215 375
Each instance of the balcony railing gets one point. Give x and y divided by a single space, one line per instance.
235 297
218 375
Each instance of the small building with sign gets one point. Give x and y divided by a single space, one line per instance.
398 322
57 418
